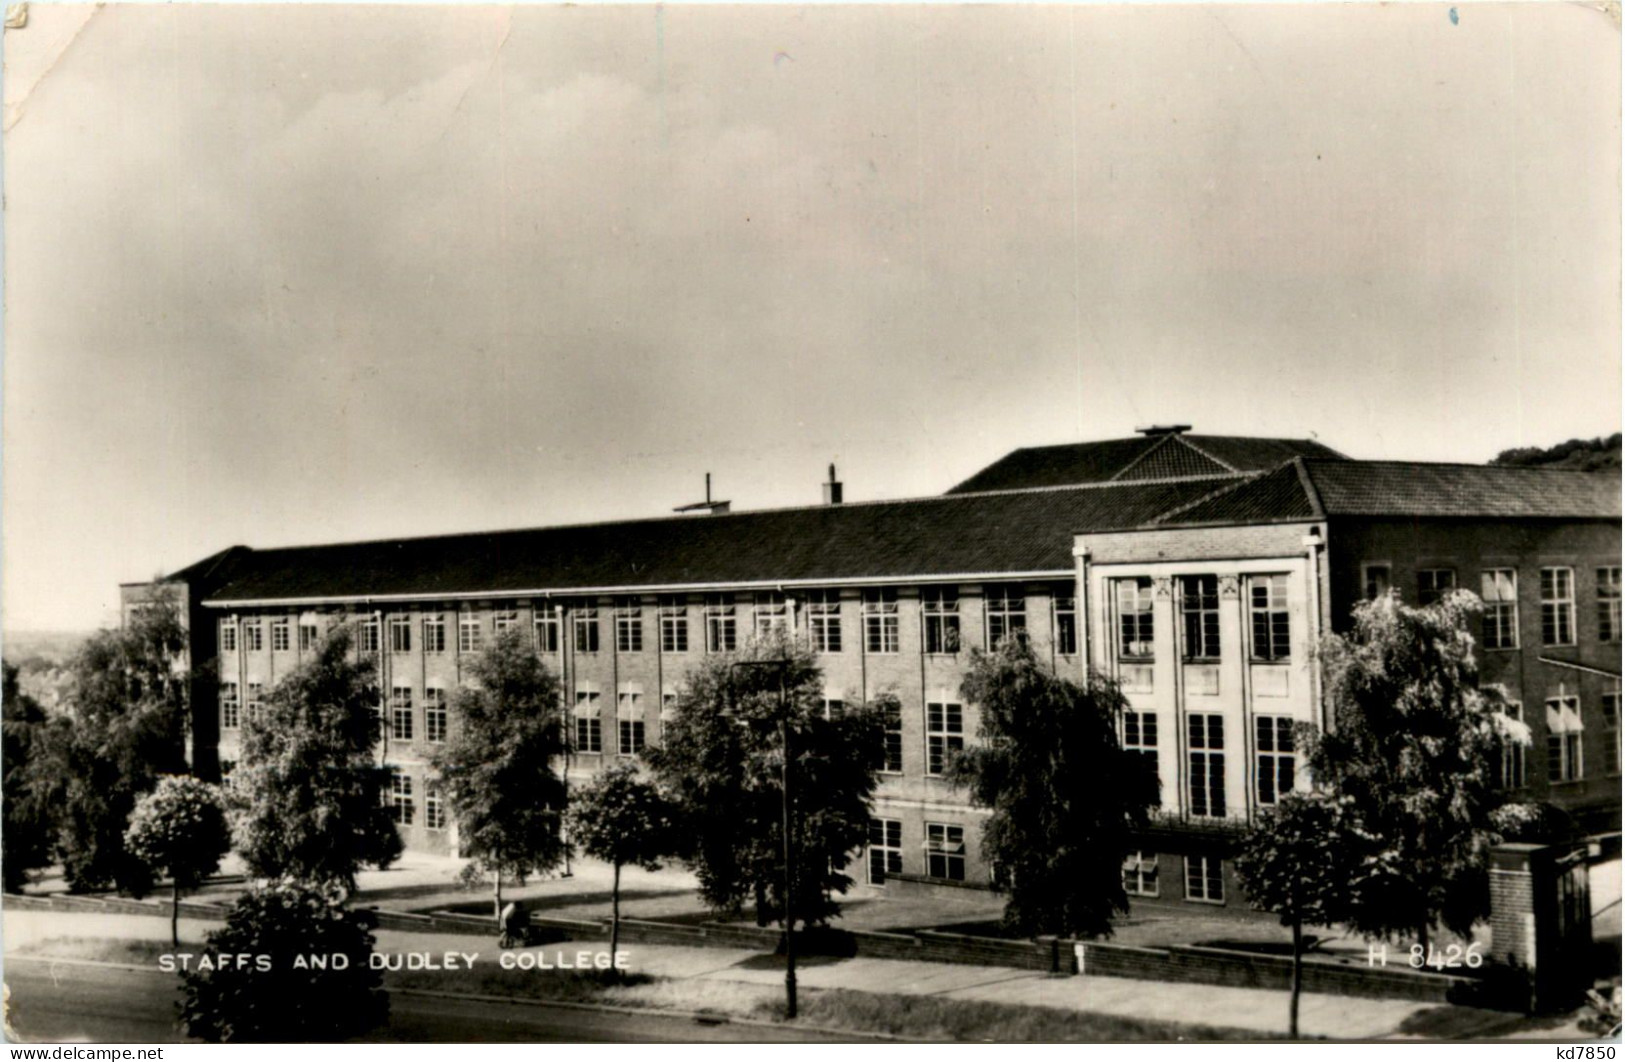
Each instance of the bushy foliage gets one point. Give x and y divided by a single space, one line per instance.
1065 798
1414 748
1584 454
280 994
721 759
1534 822
624 820
498 771
28 832
179 830
308 790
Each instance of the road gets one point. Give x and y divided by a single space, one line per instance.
57 1003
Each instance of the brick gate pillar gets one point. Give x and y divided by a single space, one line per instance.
1540 919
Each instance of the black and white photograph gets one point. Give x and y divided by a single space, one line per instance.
842 524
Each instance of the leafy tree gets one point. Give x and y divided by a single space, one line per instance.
308 976
128 726
721 759
623 820
1065 798
179 829
308 788
1415 747
1303 861
1584 454
28 832
497 772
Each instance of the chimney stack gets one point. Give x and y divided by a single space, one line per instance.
832 489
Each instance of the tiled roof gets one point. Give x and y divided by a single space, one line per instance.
985 534
1099 462
1277 495
1410 488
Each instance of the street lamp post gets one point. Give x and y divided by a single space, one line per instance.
783 667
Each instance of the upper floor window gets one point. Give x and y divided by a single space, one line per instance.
256 702
1272 623
400 634
892 721
228 636
721 625
1277 759
1610 723
1514 768
1199 607
824 620
589 727
502 620
1500 593
1140 742
629 626
1136 621
230 709
1206 734
945 851
1563 733
944 735
468 632
771 612
940 605
1377 580
586 628
253 636
309 635
1006 613
434 714
280 632
1608 604
368 635
1066 624
400 713
885 849
434 632
547 631
880 620
1557 606
673 625
1433 583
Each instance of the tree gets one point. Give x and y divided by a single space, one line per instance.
179 829
1065 798
1415 747
28 832
623 820
721 759
497 772
1584 454
306 972
127 711
1303 861
308 789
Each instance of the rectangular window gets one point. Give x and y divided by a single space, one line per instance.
230 709
586 626
400 713
1377 580
253 636
1499 588
945 851
228 636
1206 733
1514 768
1608 604
631 737
944 735
824 620
1204 879
280 640
1563 745
721 624
1557 606
400 634
941 607
892 720
1140 742
308 637
1006 613
1610 723
1199 605
504 620
1433 583
1140 874
668 706
629 626
434 811
885 849
468 632
434 632
880 620
673 625
256 702
834 707
434 714
367 635
547 632
1272 623
1136 623
589 728
1066 625
400 798
1277 758
771 612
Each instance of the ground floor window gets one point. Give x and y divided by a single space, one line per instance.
1140 874
434 811
631 737
1204 879
589 735
945 851
885 849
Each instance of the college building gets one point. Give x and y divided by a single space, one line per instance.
1199 571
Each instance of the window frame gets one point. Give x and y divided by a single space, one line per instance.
721 623
945 841
1140 866
436 715
1432 594
941 739
1275 757
673 611
584 624
889 847
1140 735
470 633
881 622
401 797
1208 876
628 626
231 707
939 611
1272 620
1557 613
1370 592
891 724
1004 610
824 620
1140 621
1211 757
400 633
1204 616
1500 612
589 724
544 629
434 633
400 709
1565 749
1064 616
228 635
1608 605
281 636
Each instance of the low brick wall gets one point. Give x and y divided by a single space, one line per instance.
113 905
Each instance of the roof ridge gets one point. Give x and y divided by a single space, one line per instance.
1211 457
1141 456
1246 479
1309 487
1357 461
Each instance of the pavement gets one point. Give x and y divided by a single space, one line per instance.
741 976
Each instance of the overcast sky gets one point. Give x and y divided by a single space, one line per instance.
294 274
